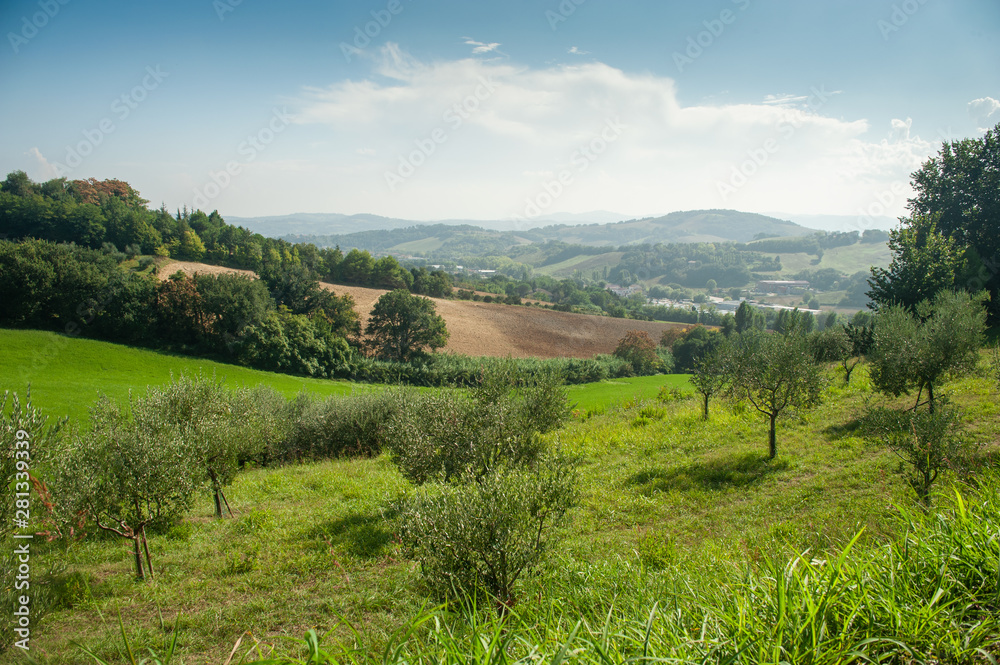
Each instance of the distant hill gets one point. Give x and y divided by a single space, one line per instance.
454 238
322 224
677 227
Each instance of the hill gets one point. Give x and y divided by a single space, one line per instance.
68 374
677 227
491 329
454 240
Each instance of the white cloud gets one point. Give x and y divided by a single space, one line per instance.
516 121
44 170
985 112
575 51
480 48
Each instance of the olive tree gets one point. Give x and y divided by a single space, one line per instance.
479 538
710 378
493 489
920 350
926 442
133 468
774 373
222 427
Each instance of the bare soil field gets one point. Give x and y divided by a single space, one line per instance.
491 329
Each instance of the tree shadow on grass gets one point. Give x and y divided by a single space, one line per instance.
844 430
717 474
364 535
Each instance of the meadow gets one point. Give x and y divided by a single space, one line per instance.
687 544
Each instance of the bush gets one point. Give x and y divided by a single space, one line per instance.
353 425
478 539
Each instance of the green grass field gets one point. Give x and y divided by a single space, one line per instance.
675 514
614 392
848 260
585 263
67 374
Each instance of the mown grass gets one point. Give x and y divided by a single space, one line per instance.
848 260
676 516
67 374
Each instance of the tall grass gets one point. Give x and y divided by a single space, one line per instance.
929 596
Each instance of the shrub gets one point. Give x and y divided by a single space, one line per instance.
638 348
479 538
927 443
352 425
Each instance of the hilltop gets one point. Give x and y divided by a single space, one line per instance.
385 235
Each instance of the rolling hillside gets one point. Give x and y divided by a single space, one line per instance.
490 329
455 240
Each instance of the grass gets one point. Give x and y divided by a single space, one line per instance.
584 263
683 529
848 260
591 397
67 374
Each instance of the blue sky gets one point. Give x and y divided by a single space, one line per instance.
490 110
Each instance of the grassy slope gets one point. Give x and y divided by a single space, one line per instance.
585 263
660 487
848 260
67 374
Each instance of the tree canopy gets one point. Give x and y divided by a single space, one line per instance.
950 239
402 326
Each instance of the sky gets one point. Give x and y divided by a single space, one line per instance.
428 110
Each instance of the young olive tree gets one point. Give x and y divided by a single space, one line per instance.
774 373
920 350
222 427
479 538
494 491
710 377
133 468
927 442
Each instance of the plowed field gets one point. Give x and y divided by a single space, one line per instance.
490 329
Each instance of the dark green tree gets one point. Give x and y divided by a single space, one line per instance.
749 317
925 261
958 188
402 325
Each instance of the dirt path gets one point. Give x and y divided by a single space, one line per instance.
491 329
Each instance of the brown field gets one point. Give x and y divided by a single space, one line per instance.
490 329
